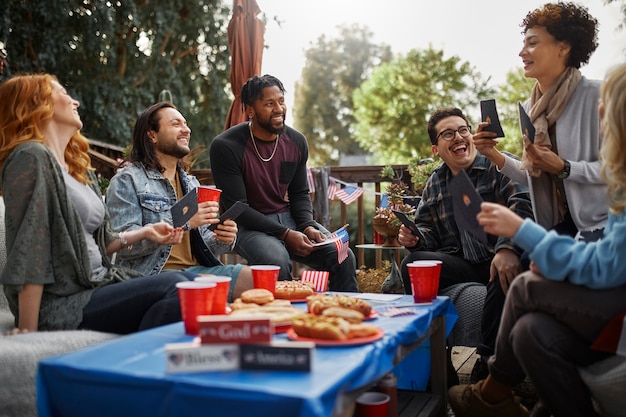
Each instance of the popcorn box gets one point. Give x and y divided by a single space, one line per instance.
277 355
194 357
225 329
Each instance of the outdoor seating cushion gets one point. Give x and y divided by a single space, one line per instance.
607 382
468 298
20 354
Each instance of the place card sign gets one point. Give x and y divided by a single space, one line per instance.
225 329
280 356
194 357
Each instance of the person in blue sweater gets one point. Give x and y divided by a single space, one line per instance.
554 312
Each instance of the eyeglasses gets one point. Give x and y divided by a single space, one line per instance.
450 134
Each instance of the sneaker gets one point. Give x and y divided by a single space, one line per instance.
465 401
479 371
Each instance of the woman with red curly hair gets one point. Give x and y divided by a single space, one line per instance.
58 273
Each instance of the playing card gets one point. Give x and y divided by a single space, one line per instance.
526 125
185 208
466 205
490 114
232 213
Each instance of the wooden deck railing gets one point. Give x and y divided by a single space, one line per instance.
104 159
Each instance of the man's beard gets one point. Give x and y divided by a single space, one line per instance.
173 149
267 126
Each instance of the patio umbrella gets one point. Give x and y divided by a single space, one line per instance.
245 40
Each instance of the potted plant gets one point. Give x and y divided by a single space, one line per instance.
420 170
384 221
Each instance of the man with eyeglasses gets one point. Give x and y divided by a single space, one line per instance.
464 258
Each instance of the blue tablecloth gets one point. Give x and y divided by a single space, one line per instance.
127 377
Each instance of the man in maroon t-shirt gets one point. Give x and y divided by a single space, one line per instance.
263 162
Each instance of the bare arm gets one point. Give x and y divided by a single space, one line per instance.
29 300
161 232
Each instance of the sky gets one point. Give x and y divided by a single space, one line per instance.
485 33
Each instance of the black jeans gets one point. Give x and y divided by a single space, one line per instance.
456 270
136 304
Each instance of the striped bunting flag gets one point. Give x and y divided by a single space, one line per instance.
349 194
332 189
311 180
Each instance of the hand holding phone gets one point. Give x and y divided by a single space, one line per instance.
407 222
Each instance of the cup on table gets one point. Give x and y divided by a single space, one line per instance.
206 193
424 277
220 299
196 299
372 404
265 276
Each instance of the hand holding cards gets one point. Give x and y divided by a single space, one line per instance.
466 205
526 125
185 208
232 213
489 114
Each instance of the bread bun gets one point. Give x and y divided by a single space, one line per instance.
278 303
238 304
318 303
257 296
294 290
362 330
278 315
352 316
317 327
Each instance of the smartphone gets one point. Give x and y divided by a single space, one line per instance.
407 222
232 213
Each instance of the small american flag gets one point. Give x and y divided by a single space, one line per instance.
318 278
349 194
342 244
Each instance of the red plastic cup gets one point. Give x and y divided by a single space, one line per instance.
196 299
265 276
220 299
206 193
424 280
372 404
438 262
378 238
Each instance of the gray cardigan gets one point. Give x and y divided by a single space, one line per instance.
45 239
578 141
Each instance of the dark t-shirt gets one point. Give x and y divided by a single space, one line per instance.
268 187
264 193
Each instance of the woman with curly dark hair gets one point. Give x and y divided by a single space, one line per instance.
557 314
562 167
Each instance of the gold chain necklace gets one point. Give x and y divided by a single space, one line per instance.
255 148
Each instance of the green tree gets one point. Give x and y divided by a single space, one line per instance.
323 108
515 90
394 104
115 57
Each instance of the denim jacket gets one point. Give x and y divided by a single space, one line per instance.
138 196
